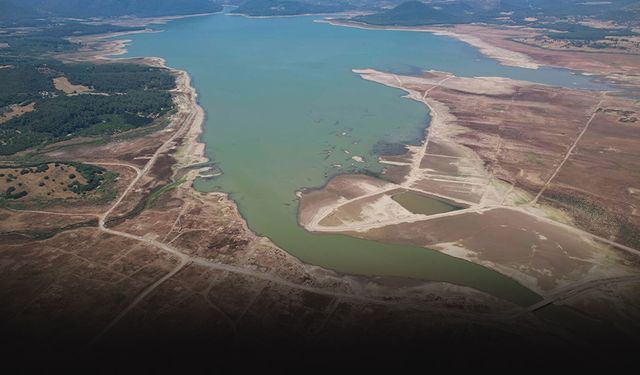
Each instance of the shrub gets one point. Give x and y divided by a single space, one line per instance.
42 168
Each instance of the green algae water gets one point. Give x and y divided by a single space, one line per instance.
284 111
421 204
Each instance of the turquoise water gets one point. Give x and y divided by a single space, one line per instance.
283 109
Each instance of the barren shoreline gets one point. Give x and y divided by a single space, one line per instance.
467 157
504 56
501 44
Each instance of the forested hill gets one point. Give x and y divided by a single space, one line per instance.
43 101
12 9
288 7
414 13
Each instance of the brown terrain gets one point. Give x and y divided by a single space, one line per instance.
627 44
624 68
127 269
547 176
161 263
16 110
63 84
515 46
50 184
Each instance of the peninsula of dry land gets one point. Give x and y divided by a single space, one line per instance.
544 177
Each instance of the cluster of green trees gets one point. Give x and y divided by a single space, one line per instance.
77 28
94 176
117 78
66 116
23 83
136 94
125 96
11 194
46 38
14 140
27 79
41 45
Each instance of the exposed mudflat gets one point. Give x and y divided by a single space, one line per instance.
512 153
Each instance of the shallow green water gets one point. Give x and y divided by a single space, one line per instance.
283 109
421 204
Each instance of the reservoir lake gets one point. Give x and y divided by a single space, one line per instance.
285 112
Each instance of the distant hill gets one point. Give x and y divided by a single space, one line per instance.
414 13
287 8
11 9
15 10
561 8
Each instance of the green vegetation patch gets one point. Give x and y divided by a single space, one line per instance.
23 83
153 197
93 175
124 96
596 219
129 96
118 78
